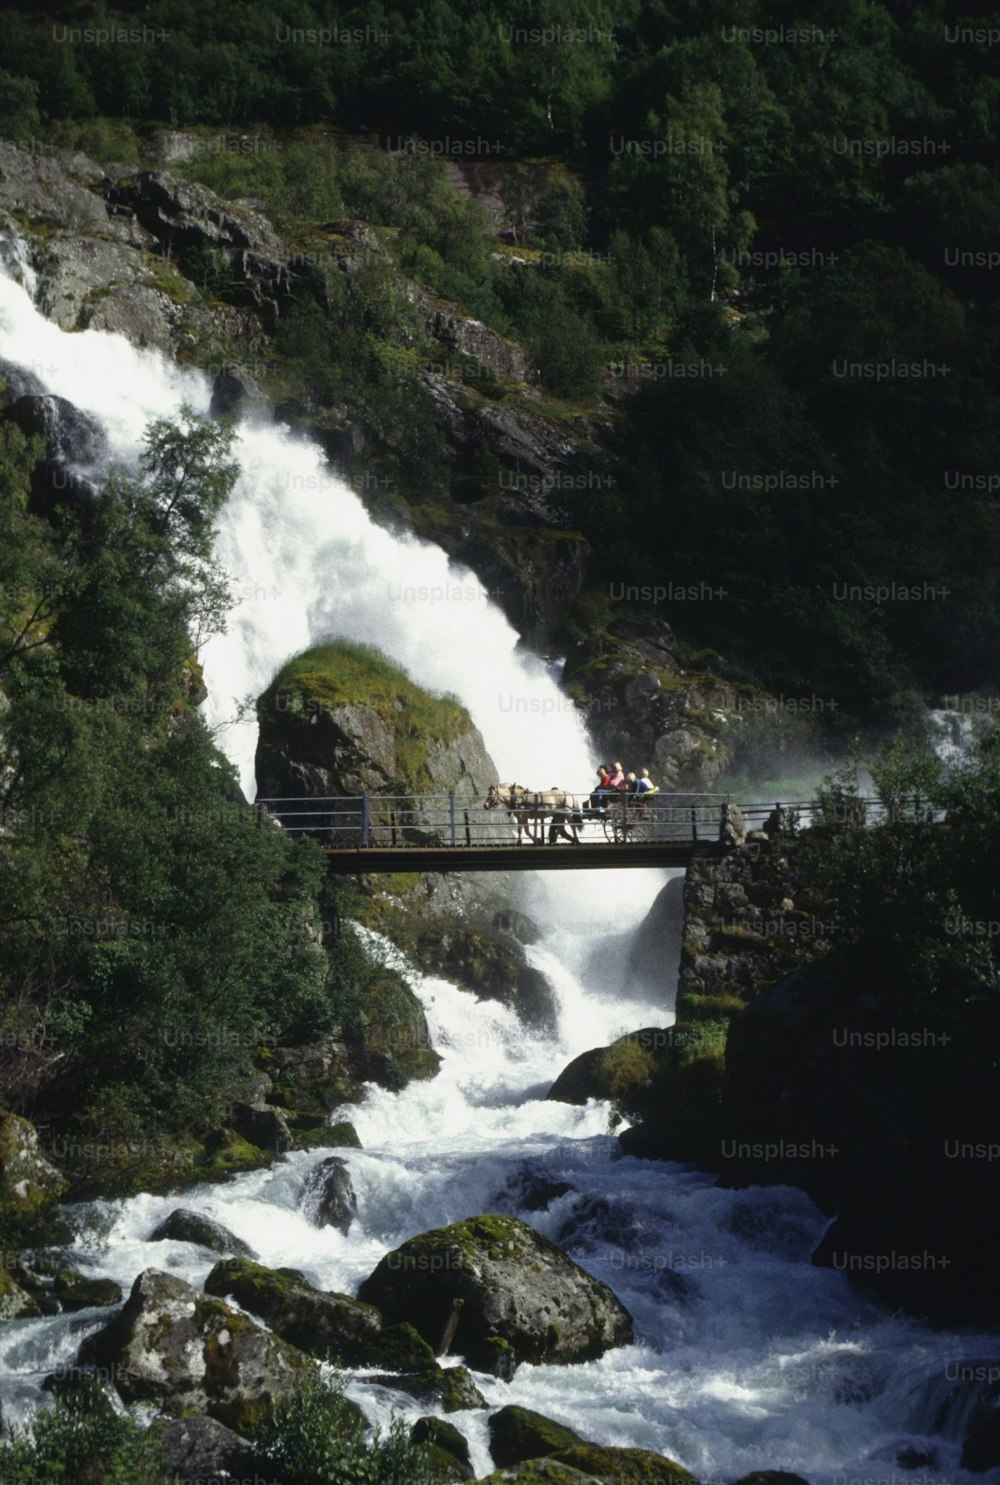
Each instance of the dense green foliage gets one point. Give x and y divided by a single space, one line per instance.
920 891
156 935
81 1441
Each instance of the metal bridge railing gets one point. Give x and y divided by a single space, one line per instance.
463 820
414 820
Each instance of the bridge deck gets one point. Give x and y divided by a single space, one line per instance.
563 857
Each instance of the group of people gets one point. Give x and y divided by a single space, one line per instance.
612 782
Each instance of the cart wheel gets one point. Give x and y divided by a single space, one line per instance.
641 825
610 823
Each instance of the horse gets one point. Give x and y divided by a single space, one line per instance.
552 804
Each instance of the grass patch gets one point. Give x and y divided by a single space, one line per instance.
339 673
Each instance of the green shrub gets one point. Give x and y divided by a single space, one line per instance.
80 1441
312 1443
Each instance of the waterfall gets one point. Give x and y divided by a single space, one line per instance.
306 560
746 1356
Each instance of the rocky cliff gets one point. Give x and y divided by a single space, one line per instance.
208 281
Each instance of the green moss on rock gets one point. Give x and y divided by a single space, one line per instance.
624 1466
519 1433
507 1281
321 1323
446 1449
397 722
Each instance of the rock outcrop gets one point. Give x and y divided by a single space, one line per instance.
447 1450
329 1199
320 1322
751 916
341 720
185 1226
519 1433
493 1280
28 1182
585 1464
623 1071
488 962
188 1353
643 707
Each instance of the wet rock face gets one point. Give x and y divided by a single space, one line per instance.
654 953
642 706
519 1433
489 963
319 1322
71 437
508 1284
188 1353
28 1181
751 917
184 1226
330 1199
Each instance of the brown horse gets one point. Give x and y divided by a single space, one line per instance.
555 805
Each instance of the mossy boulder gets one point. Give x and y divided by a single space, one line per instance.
451 1388
490 963
16 1303
400 1348
185 1226
446 1448
340 719
506 1282
681 1111
624 1466
186 1352
227 1154
28 1182
340 1136
320 1322
76 1291
519 1433
537 1472
585 1464
623 1071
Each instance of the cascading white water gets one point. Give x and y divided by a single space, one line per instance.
747 1357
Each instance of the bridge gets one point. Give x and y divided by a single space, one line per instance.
457 833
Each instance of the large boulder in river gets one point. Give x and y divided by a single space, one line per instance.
519 1433
189 1353
623 1071
506 1286
594 1464
202 1449
185 1226
320 1322
341 720
330 1199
